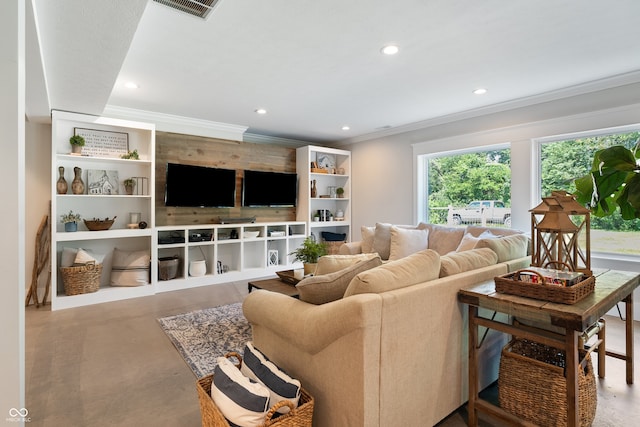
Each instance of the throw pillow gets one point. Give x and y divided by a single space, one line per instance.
382 240
472 259
68 257
443 239
130 268
83 257
256 366
405 241
415 268
469 241
331 287
367 238
507 247
242 401
332 263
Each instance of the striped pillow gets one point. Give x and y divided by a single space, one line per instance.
242 401
256 366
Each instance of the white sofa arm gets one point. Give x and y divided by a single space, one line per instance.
350 248
309 327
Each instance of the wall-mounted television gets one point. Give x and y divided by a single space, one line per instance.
269 189
200 186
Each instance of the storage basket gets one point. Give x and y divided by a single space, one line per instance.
509 284
82 279
168 268
532 384
99 224
301 416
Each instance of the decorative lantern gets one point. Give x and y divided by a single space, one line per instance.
556 236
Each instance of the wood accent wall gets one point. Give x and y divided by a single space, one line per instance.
221 153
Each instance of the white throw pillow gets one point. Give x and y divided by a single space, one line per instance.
241 400
83 257
405 241
367 238
256 366
469 241
130 268
382 240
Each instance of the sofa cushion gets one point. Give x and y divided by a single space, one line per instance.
332 263
382 240
469 241
406 241
443 239
416 268
459 262
240 399
367 238
330 287
477 230
130 268
507 247
256 366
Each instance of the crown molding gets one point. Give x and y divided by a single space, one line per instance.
266 139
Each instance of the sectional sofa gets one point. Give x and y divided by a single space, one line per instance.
382 341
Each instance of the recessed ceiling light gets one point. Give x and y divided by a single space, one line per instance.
480 91
131 85
390 49
345 127
261 111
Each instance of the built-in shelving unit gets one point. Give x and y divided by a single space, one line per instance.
328 167
230 251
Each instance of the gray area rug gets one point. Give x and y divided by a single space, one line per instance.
202 336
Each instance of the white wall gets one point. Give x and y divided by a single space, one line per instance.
12 113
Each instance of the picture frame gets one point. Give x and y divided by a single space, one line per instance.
103 143
326 161
103 182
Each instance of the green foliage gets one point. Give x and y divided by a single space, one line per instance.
310 251
77 140
133 155
70 217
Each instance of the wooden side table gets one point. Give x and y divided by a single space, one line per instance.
274 285
611 287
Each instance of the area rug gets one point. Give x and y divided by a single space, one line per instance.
202 336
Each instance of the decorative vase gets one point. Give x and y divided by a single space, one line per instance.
77 186
197 268
70 226
309 268
61 184
314 191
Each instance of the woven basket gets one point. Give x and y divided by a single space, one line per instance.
99 224
81 280
532 385
212 417
508 284
168 268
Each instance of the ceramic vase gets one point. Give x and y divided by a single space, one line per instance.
61 184
314 190
70 226
77 186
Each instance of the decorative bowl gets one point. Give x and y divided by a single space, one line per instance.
250 234
99 224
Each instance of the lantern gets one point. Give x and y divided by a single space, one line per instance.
556 224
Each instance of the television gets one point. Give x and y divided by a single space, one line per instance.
269 189
200 186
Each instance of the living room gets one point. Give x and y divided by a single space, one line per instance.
385 184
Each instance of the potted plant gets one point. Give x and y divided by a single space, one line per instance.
614 180
129 185
340 192
70 221
132 155
77 142
308 253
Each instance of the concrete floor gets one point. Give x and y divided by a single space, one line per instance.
112 365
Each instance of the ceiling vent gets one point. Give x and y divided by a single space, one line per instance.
200 8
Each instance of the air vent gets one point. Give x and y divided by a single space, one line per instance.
200 8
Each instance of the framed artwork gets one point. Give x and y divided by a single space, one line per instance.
326 161
103 181
103 143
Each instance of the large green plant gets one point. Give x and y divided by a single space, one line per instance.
614 181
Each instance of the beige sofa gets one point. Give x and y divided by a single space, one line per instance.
393 350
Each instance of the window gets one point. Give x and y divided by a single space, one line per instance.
471 187
562 161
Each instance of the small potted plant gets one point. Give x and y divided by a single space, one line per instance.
129 185
340 192
308 253
70 221
131 155
77 142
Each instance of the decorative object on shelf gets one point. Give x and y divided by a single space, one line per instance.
61 185
168 267
141 185
314 190
77 185
340 171
103 182
77 142
339 215
555 235
103 143
333 193
129 185
340 192
326 161
99 224
250 234
308 253
70 221
197 268
273 257
142 225
614 180
82 279
131 155
134 218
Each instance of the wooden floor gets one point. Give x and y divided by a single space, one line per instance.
112 365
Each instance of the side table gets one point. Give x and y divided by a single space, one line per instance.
274 285
611 287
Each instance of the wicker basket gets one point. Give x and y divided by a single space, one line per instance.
81 280
508 284
532 385
168 268
99 224
301 416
